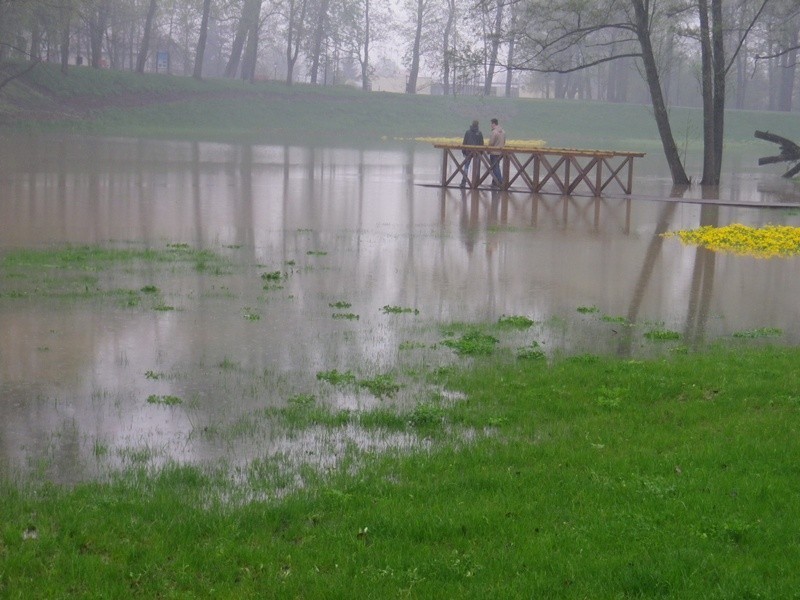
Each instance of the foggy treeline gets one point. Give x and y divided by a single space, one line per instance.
567 49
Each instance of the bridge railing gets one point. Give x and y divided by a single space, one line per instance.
531 169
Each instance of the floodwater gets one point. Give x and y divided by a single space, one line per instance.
352 230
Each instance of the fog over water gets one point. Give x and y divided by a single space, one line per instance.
352 230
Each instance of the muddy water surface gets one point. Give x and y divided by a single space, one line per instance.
371 264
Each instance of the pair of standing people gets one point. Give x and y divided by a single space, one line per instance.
497 139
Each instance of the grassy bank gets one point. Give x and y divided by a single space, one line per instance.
120 103
587 478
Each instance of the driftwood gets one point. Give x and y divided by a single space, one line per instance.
790 152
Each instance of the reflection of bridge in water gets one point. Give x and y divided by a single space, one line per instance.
501 208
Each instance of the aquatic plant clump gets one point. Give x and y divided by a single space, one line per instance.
760 242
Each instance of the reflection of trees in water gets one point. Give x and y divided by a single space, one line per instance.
702 281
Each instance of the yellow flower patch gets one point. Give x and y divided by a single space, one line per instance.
764 242
521 144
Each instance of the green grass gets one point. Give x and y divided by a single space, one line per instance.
598 478
76 271
162 106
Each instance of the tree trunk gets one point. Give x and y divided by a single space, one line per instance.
495 45
365 85
713 89
66 10
707 85
145 46
788 72
411 85
319 36
446 54
510 60
36 37
97 28
656 95
238 41
718 63
201 41
251 52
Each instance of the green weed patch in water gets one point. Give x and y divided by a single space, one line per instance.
345 316
662 335
531 352
381 386
74 271
587 310
272 276
335 377
473 343
515 322
411 345
398 310
615 319
167 400
340 304
250 315
761 332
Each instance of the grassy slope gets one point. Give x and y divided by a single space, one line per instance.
92 101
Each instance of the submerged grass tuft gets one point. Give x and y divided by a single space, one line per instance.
473 343
515 322
761 332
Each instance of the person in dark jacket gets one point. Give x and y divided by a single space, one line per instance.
472 137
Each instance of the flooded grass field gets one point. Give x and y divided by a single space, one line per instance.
221 304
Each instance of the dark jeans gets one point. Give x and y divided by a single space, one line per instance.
498 177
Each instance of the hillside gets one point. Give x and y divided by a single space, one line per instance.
121 103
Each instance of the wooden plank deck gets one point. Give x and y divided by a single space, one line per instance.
531 169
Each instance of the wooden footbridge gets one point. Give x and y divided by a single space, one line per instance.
530 169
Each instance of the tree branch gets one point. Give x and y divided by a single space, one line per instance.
580 67
777 54
24 71
745 34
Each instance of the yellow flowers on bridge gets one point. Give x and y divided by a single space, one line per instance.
522 144
769 241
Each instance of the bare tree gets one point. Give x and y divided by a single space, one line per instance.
141 59
232 67
295 28
320 33
493 39
251 51
634 25
420 8
95 14
65 24
447 53
201 41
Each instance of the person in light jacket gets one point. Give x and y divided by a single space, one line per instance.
497 139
